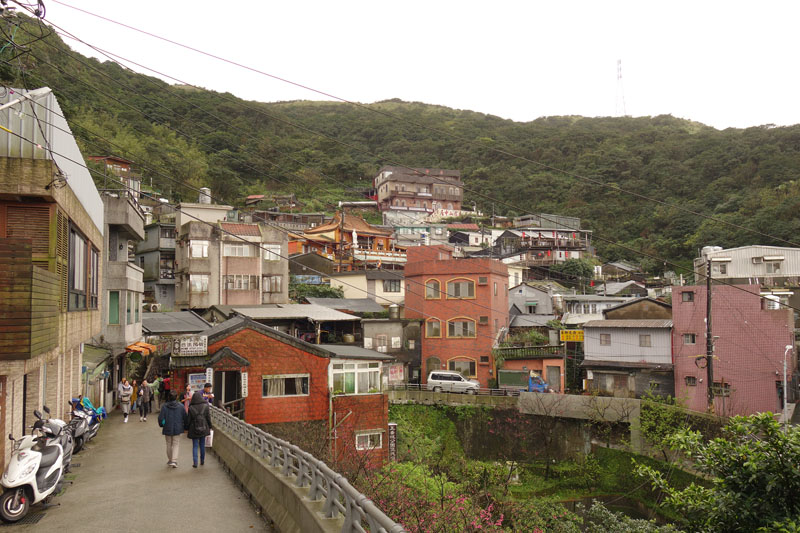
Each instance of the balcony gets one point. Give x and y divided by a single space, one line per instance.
122 275
123 210
29 304
529 352
379 255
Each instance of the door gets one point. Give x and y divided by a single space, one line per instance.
554 378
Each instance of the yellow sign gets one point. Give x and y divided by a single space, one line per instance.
572 335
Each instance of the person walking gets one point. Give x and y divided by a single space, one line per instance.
135 396
145 397
174 421
199 426
186 397
125 392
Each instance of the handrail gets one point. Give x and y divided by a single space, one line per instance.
235 407
511 391
360 514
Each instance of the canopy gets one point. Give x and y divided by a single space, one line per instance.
141 347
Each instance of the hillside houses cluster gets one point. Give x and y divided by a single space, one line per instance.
117 282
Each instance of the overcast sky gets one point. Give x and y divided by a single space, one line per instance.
725 64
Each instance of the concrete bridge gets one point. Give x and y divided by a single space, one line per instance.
250 482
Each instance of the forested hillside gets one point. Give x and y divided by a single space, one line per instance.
202 138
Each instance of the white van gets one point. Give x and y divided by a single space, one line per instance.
449 381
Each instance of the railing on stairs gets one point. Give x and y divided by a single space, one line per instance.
235 408
340 497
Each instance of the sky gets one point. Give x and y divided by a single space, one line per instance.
725 64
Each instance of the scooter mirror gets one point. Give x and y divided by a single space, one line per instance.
46 409
10 436
37 414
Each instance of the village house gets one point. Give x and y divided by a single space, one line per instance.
283 384
156 256
622 288
581 308
463 304
385 287
51 250
751 339
419 189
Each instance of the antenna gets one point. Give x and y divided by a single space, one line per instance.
620 92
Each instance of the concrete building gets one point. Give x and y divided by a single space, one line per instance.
419 189
750 343
385 287
51 245
230 264
156 256
463 304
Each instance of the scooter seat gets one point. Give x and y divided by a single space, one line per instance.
49 456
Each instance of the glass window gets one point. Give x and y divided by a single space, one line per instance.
605 339
644 341
136 305
461 289
284 385
240 282
272 252
465 368
391 285
691 381
349 378
239 249
198 249
433 328
432 289
94 277
113 307
689 338
721 388
129 298
271 283
168 233
459 328
773 267
719 268
77 270
369 441
198 282
687 296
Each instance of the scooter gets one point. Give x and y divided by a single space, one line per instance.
92 418
61 432
33 474
79 426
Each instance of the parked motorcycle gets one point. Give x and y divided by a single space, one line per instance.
79 425
33 473
92 416
60 431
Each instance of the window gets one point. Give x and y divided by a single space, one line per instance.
484 359
461 289
129 298
391 285
168 233
691 381
356 378
719 268
465 368
77 270
141 261
687 296
241 282
773 267
198 249
495 288
433 328
162 291
721 388
432 289
113 307
271 283
94 277
644 341
461 328
689 338
272 252
284 385
198 282
369 441
594 309
239 249
137 303
483 320
605 339
483 280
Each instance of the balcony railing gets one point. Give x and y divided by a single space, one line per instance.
526 352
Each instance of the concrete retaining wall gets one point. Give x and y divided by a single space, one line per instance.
424 397
280 500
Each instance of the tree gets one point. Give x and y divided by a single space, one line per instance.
754 472
298 291
579 270
660 417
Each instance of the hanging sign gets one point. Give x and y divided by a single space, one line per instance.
244 384
190 345
571 335
392 441
210 375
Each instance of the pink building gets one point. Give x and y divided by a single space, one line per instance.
750 342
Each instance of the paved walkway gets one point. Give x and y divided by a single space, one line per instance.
124 484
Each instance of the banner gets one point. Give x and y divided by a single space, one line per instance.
571 335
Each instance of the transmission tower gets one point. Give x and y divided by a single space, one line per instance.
620 110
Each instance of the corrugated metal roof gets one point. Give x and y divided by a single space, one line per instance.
246 230
354 305
641 323
173 322
317 313
349 351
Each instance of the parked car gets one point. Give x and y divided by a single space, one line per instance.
448 381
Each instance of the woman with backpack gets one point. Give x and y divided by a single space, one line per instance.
199 426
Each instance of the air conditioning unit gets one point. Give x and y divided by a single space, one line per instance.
154 308
757 260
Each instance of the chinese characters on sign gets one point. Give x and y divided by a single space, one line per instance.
190 345
392 441
571 335
244 384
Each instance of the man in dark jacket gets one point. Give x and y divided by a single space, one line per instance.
199 426
174 421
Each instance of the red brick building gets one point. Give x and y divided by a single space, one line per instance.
749 346
289 381
463 304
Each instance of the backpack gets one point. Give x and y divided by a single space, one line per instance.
200 423
161 387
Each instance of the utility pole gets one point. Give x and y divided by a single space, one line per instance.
709 338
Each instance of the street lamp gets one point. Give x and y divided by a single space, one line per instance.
785 403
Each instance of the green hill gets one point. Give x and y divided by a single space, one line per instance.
198 137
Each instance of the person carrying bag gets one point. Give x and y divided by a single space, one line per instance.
199 426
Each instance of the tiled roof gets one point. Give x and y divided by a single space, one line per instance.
634 323
472 227
351 222
246 230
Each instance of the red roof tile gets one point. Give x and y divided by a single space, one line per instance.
473 227
246 230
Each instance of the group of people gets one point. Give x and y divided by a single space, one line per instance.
189 413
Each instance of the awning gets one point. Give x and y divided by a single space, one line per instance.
141 347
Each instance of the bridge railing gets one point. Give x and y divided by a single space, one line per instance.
479 392
340 497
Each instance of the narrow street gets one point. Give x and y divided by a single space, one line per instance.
123 484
